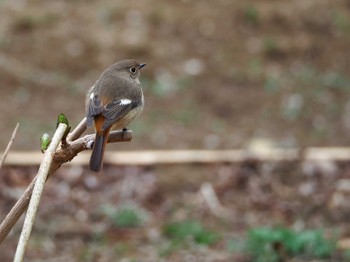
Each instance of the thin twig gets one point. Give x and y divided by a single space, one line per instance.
61 156
3 158
78 131
37 192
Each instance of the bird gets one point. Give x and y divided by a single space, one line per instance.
113 102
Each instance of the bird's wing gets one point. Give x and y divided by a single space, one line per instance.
116 110
94 108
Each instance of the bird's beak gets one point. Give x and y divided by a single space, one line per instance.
141 65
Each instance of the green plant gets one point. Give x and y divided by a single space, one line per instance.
127 216
265 244
179 232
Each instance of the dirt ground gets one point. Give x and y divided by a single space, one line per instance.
220 75
76 223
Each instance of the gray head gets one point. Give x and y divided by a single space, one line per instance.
127 67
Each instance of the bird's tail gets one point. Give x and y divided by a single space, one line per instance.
96 159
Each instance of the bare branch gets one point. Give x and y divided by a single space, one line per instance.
78 131
3 158
37 192
62 155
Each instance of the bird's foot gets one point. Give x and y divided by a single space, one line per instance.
124 130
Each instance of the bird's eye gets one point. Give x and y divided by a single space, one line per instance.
133 70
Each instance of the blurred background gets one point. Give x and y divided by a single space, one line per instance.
220 75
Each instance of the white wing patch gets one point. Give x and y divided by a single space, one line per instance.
125 101
92 95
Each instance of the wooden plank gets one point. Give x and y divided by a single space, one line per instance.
154 157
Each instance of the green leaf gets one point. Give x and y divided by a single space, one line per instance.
62 119
44 142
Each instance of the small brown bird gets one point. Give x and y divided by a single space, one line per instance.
113 102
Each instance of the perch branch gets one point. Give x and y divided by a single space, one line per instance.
37 192
9 146
61 156
78 131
